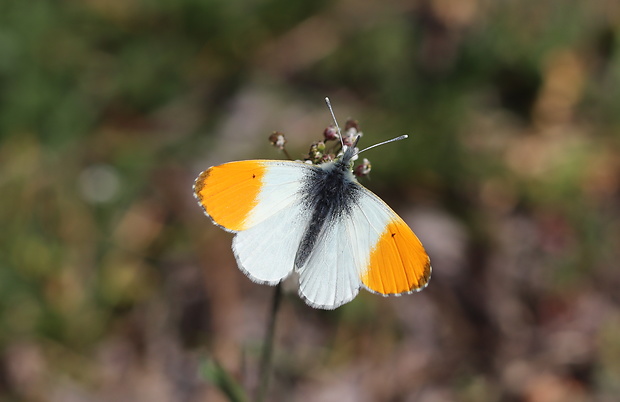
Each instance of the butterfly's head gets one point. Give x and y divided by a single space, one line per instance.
349 140
321 153
350 152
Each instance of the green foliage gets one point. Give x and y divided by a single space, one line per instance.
213 372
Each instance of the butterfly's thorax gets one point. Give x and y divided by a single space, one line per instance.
329 193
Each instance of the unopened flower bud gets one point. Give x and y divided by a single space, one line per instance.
277 139
349 137
315 154
327 158
351 124
363 169
330 133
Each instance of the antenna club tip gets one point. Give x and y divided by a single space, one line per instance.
405 136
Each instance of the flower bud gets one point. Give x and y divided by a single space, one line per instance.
363 169
277 139
330 133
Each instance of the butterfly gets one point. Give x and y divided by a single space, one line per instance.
316 220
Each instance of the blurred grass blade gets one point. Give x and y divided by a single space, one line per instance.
213 372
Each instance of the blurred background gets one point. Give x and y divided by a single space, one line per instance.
115 286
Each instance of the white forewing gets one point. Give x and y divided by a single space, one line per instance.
266 250
281 188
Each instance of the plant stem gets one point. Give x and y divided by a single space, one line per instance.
266 357
289 157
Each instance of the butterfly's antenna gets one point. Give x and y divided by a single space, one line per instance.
329 105
402 137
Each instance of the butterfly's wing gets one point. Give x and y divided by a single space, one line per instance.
398 263
262 202
370 247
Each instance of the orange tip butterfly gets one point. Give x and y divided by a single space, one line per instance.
318 221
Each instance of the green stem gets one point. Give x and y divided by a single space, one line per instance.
266 357
288 156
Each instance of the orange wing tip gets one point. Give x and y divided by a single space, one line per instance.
398 263
425 278
199 185
424 281
228 193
